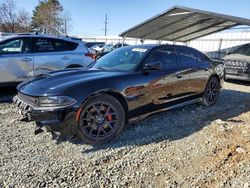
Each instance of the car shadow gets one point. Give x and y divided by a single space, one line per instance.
179 123
169 125
6 94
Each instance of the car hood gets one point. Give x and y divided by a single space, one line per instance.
56 82
237 57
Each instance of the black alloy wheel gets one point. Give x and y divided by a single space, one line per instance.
102 118
212 91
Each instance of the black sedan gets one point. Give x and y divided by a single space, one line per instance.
124 86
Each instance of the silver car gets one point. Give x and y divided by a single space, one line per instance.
24 56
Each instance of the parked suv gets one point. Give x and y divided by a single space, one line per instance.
27 55
237 63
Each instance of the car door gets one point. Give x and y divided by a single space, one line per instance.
16 60
168 85
197 68
49 55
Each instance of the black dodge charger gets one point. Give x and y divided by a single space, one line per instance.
124 86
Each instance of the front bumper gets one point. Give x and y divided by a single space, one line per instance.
237 75
43 116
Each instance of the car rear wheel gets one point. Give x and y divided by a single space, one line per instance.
212 91
102 118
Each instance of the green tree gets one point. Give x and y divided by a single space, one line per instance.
47 17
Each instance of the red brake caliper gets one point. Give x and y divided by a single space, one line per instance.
109 117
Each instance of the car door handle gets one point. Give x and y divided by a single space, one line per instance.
178 75
27 59
65 58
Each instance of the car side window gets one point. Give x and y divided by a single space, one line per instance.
201 58
44 45
166 56
205 58
187 56
16 46
53 45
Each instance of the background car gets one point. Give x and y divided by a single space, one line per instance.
91 44
24 56
108 48
4 35
237 64
97 47
122 87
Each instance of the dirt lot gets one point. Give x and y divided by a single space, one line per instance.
189 147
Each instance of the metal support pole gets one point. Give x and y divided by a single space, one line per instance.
219 48
123 40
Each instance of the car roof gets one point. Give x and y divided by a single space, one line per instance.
151 46
35 35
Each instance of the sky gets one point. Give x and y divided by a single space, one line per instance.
88 16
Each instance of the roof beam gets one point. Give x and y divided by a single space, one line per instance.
191 25
177 28
149 20
165 26
211 32
213 25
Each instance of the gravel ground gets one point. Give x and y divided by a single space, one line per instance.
189 147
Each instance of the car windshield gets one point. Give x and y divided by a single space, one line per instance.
244 50
122 59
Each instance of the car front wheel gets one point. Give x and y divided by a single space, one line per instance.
102 118
212 91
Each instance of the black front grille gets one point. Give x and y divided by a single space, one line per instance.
23 106
239 65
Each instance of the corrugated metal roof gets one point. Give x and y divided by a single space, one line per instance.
183 24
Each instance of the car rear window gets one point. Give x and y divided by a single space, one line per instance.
71 45
244 50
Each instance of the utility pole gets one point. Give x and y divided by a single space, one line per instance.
106 25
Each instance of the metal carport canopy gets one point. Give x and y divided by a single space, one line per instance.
183 24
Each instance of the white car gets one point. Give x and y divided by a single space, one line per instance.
24 56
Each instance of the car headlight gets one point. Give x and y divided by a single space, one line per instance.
219 68
55 101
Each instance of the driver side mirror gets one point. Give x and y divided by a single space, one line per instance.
152 66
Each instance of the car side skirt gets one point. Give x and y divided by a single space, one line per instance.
138 118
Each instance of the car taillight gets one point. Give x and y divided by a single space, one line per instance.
90 55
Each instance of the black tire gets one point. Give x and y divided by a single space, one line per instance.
211 92
102 118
